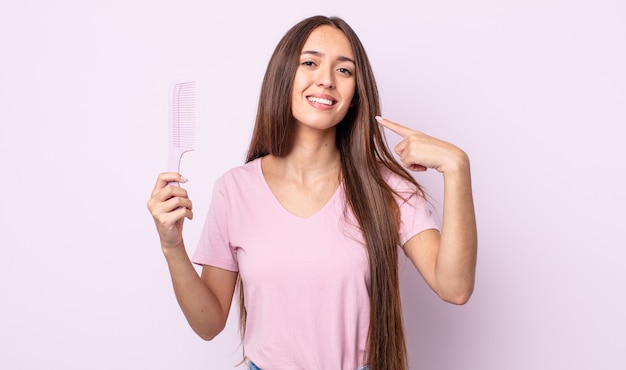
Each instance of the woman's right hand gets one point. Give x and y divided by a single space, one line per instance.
169 206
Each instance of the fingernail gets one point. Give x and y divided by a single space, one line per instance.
183 179
379 118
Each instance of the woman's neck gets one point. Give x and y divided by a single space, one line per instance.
311 158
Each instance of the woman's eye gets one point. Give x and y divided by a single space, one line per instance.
308 63
345 71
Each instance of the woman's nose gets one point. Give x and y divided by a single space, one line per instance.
325 78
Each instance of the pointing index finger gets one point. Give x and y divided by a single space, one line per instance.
395 127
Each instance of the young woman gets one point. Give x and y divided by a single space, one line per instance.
311 225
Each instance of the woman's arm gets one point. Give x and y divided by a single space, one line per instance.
447 261
205 300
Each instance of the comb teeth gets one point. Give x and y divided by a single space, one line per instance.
183 115
182 124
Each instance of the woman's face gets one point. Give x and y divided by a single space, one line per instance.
324 83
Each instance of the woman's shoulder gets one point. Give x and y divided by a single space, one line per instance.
397 182
242 174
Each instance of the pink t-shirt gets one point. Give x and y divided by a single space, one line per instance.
305 280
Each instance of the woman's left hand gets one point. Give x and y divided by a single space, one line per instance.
418 151
446 261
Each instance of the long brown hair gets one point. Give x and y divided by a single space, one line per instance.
363 150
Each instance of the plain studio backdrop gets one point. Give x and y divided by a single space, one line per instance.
534 92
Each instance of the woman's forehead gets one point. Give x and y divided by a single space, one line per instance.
326 39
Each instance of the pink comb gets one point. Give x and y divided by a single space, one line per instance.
182 122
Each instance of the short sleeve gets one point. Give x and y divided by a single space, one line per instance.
416 214
214 248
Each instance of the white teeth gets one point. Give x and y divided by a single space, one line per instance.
320 100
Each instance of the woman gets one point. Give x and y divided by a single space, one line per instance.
311 224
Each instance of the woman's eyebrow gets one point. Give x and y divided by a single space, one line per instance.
319 54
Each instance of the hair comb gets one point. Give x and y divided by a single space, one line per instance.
182 122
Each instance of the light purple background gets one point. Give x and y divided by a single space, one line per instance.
534 91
